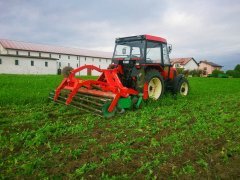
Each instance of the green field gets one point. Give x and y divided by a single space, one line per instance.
195 136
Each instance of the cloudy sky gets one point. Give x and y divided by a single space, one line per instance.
206 29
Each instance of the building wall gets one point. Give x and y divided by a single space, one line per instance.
23 53
24 67
207 68
191 65
2 50
10 51
45 54
32 53
77 61
177 65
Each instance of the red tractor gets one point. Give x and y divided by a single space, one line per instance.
140 70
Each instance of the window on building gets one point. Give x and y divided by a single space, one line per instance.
59 55
50 55
59 64
77 65
85 58
28 53
17 52
16 62
46 64
39 54
99 60
92 59
32 63
68 64
0 61
68 57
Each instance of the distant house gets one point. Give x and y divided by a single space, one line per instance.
185 63
208 67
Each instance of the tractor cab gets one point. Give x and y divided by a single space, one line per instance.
140 54
143 49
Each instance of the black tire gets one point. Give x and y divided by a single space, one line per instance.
181 86
66 71
155 84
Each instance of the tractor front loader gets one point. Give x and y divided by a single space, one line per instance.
140 70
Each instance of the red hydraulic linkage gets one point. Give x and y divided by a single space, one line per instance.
108 85
145 91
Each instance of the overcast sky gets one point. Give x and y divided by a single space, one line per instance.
203 29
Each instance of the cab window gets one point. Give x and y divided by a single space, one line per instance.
153 53
166 59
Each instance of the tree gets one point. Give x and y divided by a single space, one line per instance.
180 70
195 72
230 72
233 73
237 68
216 72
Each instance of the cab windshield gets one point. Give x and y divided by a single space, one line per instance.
131 50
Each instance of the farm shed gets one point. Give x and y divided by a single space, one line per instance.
185 63
18 57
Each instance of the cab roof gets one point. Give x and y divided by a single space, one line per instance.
155 38
142 37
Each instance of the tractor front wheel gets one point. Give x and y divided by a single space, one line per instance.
182 87
155 84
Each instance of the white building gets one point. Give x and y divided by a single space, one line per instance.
185 63
28 58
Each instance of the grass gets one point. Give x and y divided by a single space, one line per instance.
196 136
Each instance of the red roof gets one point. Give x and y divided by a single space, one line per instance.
18 45
181 61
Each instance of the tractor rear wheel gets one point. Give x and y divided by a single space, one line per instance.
155 84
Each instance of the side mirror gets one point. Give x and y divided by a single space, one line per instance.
169 48
124 51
